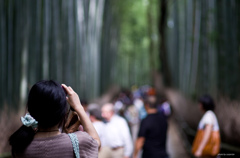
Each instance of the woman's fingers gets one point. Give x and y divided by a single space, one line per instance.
72 97
68 89
65 88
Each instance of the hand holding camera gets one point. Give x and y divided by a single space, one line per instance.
73 121
74 101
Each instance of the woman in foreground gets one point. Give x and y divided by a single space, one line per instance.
41 135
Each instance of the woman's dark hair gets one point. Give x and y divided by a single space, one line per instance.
46 104
207 102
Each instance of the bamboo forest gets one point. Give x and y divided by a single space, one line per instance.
182 48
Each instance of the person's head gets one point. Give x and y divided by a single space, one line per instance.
95 115
206 102
107 111
47 105
150 102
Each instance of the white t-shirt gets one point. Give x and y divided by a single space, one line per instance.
209 118
118 134
100 128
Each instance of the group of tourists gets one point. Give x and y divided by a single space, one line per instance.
133 125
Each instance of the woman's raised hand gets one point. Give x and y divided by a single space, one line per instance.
74 101
72 97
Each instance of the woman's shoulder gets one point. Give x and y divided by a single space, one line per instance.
209 113
52 138
208 118
88 146
84 137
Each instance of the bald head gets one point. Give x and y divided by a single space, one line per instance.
107 111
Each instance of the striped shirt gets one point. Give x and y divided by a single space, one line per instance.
60 146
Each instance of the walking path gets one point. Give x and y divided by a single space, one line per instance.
175 145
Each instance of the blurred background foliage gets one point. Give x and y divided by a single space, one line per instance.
91 45
203 41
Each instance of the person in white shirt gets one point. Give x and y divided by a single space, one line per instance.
118 136
208 123
99 125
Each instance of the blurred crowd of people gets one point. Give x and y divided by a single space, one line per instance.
135 125
121 126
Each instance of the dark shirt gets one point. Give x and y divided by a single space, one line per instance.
154 129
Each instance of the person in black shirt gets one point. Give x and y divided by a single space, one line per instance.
152 133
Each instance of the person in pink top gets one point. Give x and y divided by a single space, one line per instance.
41 136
